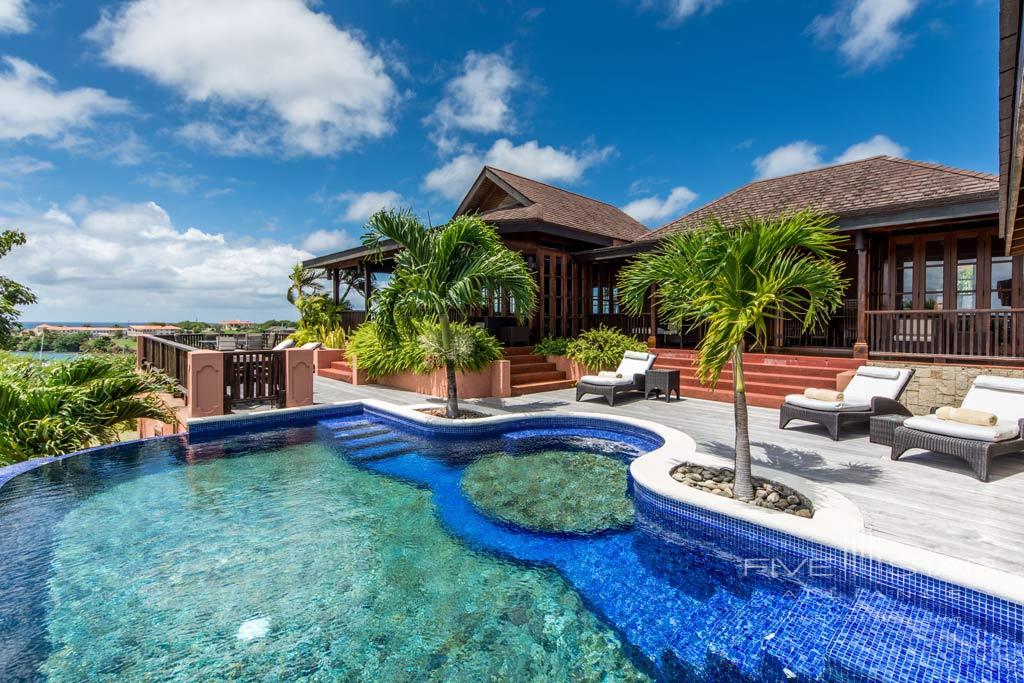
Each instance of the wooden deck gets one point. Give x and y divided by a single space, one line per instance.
925 500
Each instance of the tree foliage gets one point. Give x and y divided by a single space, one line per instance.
303 282
56 408
601 348
12 294
472 349
732 281
442 275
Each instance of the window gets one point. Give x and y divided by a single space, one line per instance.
966 272
904 276
1002 276
934 265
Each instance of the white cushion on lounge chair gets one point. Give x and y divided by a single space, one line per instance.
309 346
1000 383
1002 431
635 363
850 403
873 381
606 381
286 344
1001 396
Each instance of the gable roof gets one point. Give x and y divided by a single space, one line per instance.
500 196
879 184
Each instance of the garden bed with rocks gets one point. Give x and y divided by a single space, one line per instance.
767 494
463 413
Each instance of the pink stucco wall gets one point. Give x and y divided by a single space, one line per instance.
205 383
495 381
572 369
298 376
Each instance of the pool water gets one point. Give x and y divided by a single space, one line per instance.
350 550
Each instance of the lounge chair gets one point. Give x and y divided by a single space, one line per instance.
631 372
226 344
872 391
975 444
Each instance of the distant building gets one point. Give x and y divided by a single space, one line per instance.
236 324
136 330
71 329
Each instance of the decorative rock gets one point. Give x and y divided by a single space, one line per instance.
767 494
803 512
773 497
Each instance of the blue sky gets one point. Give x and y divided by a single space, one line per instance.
170 159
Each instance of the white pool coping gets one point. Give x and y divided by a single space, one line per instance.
837 522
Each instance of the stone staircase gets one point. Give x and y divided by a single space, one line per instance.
769 377
532 374
340 370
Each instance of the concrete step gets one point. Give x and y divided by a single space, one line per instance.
537 387
342 365
525 358
774 359
518 350
791 376
532 377
339 375
726 396
686 367
520 368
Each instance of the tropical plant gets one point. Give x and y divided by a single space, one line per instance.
12 294
733 280
602 347
441 275
421 351
303 282
552 346
332 337
56 408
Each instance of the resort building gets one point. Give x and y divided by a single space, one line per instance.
931 275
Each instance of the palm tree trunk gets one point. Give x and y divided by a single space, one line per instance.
452 408
743 487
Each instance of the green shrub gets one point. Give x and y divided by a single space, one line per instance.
552 346
602 348
472 348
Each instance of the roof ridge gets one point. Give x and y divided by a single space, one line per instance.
562 189
941 167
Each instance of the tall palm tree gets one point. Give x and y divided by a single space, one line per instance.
443 274
734 280
303 282
56 408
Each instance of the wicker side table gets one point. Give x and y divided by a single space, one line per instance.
662 381
883 427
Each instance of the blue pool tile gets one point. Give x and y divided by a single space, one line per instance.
736 647
796 651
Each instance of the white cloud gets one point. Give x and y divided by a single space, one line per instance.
678 11
362 205
804 156
322 89
875 146
31 105
477 100
791 158
658 209
14 16
529 159
222 140
868 30
327 241
170 181
130 262
23 165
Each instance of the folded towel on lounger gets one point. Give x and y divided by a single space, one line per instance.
967 416
609 373
824 395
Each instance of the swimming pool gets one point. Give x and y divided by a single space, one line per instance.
358 543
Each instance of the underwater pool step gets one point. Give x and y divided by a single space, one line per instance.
384 450
797 649
734 650
383 436
688 656
883 639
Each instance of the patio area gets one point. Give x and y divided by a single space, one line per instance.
929 501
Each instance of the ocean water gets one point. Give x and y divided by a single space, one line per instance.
45 355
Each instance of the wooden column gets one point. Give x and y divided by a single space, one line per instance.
860 346
652 341
335 284
367 288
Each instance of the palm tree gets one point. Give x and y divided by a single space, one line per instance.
56 408
304 282
442 275
733 280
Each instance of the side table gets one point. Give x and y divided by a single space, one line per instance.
883 427
663 382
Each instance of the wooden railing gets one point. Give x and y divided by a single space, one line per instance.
253 376
992 334
839 333
638 326
168 357
352 319
266 340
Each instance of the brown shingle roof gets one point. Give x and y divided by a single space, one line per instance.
561 207
873 185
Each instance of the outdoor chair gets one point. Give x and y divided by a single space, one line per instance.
286 344
872 391
631 375
976 444
226 344
253 342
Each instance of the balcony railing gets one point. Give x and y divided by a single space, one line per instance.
166 356
253 377
976 334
